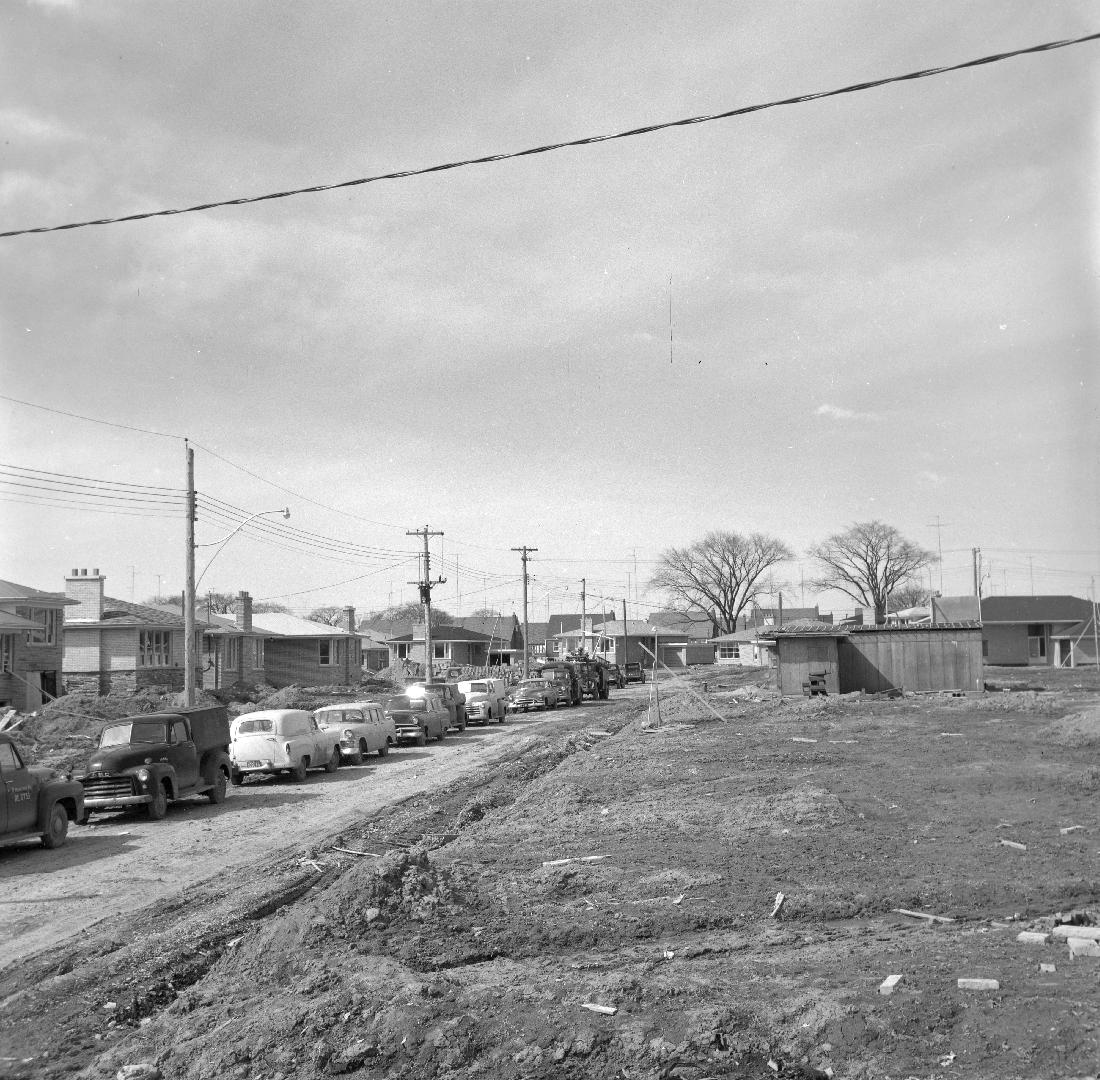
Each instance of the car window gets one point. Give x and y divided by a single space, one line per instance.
313 724
353 716
253 727
9 759
179 732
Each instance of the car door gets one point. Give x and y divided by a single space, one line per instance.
182 755
19 787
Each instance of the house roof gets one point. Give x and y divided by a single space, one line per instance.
750 634
219 625
10 591
123 613
445 633
614 628
279 624
953 608
561 622
1034 609
692 624
1084 628
536 631
819 629
8 621
372 639
497 627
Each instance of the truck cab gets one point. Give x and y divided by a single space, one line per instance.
35 801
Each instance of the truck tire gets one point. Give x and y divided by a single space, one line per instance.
298 773
442 733
216 794
157 810
384 749
333 762
57 827
422 738
236 778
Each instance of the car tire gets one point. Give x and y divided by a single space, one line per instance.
157 810
298 773
357 757
57 827
333 762
236 778
384 749
216 794
442 733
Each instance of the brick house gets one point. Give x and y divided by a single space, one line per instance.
301 652
451 646
31 642
111 645
232 651
504 632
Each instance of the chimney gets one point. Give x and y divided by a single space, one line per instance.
242 610
88 592
348 621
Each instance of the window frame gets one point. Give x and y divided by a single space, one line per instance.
47 618
335 653
154 648
7 653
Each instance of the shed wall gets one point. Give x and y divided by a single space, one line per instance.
801 657
949 659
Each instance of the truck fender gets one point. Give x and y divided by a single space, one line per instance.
214 761
159 772
47 800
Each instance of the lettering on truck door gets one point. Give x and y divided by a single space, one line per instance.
19 801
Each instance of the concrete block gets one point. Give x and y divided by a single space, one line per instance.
1083 947
979 984
1066 931
1031 937
889 983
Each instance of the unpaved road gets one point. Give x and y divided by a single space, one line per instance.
123 862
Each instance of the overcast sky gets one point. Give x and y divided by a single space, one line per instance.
883 305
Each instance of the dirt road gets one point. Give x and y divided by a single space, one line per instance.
123 862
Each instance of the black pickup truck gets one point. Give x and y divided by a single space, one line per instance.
152 759
35 801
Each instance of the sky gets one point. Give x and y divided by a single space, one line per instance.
881 305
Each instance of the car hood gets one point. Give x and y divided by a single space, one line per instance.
117 758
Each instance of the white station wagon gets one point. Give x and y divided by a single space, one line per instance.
362 726
280 741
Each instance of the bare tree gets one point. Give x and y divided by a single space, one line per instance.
868 562
410 612
721 574
328 615
487 613
908 594
266 606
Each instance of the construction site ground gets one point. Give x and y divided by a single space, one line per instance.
593 893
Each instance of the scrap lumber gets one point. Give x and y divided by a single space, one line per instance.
1032 937
1012 844
1070 828
921 915
352 851
779 900
605 1010
581 858
1068 930
1079 946
888 984
979 984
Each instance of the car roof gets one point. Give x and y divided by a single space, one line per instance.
348 705
271 714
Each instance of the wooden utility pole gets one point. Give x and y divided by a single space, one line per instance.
626 644
189 585
425 585
524 552
584 617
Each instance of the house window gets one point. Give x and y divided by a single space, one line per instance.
403 651
1036 641
233 653
727 652
154 648
45 633
329 652
258 652
985 649
441 650
7 649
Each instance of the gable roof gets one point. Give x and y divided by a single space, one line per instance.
497 627
444 633
560 623
10 591
751 634
372 639
953 608
536 631
279 624
123 613
1034 609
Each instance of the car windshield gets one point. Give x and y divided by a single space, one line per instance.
138 731
533 684
256 727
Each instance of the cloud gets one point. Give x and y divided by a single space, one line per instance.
836 412
27 127
934 479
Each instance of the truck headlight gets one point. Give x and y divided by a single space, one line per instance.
142 775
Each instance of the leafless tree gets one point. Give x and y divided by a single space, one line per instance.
267 606
908 594
721 574
328 615
868 562
487 613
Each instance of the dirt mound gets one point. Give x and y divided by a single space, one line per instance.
1078 730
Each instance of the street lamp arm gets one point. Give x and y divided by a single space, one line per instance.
285 511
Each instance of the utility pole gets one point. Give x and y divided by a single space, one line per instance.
425 586
1031 571
524 552
189 587
626 643
939 527
975 555
584 617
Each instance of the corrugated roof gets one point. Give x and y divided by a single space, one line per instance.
915 628
805 628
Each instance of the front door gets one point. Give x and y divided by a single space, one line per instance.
18 797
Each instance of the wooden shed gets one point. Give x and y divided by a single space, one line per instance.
878 658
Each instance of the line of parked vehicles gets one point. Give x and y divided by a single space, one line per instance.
150 760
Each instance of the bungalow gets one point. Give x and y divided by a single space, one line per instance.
111 645
557 626
31 644
376 653
640 643
232 650
743 648
452 646
1032 630
504 632
301 652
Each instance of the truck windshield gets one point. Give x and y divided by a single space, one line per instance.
139 731
479 688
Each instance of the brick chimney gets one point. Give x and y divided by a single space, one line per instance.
87 590
242 610
347 622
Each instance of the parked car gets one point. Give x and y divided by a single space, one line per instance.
533 694
417 717
565 677
363 728
616 677
155 758
274 741
486 700
35 801
634 673
454 701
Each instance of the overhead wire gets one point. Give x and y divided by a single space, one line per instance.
589 140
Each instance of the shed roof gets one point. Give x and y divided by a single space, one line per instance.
1084 628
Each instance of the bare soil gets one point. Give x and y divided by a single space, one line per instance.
457 953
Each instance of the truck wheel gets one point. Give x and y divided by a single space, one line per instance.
422 738
298 773
442 733
57 827
157 810
384 749
236 778
357 757
333 762
216 794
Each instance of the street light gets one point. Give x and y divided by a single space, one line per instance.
284 510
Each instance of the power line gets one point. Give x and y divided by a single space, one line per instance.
587 141
91 479
91 419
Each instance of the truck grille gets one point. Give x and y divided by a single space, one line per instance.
108 787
